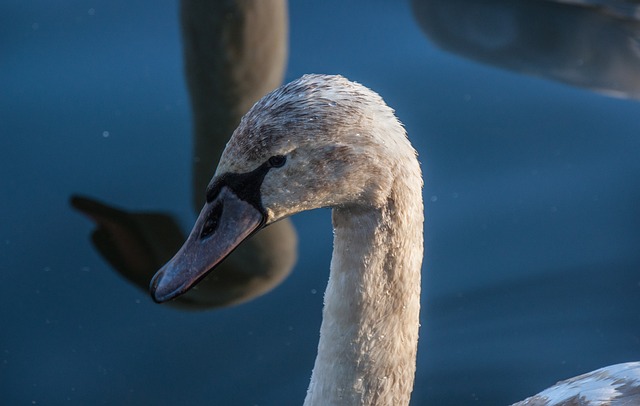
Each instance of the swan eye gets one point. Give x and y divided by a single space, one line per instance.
277 161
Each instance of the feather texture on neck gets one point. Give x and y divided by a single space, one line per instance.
369 333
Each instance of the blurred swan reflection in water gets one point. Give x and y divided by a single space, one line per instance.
589 44
235 52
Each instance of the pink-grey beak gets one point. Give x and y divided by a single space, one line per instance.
222 225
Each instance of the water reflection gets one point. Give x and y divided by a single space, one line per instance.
593 45
234 53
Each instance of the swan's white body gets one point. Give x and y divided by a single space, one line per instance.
323 141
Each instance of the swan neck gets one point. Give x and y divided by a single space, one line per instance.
369 333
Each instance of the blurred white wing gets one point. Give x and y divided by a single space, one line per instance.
615 385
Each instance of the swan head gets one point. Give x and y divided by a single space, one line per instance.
319 141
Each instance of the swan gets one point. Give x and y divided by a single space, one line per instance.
324 141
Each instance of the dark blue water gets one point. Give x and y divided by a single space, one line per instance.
532 268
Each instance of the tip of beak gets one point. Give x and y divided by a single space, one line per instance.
162 289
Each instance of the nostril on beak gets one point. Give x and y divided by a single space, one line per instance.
212 221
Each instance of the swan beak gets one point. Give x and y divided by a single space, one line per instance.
222 225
